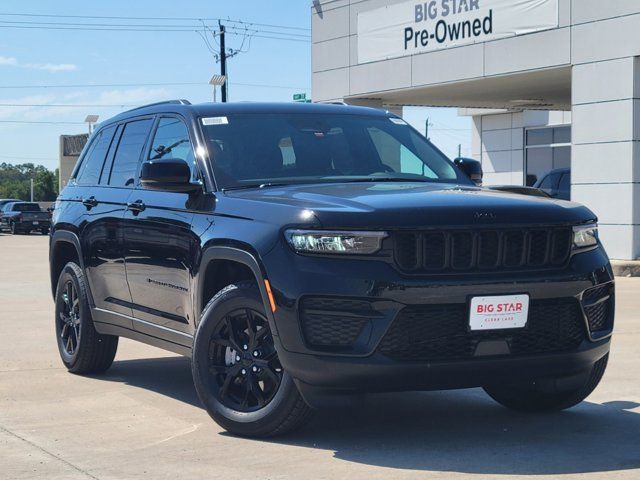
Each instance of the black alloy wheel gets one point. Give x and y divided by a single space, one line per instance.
68 320
243 362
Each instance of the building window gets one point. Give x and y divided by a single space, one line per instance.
546 148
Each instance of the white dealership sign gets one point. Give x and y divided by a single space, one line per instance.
412 27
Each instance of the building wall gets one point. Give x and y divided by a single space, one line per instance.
598 40
70 148
498 141
337 74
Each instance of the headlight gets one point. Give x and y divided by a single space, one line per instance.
585 236
335 242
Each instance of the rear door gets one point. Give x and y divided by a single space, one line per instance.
160 246
105 205
95 212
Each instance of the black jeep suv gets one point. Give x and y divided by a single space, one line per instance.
303 255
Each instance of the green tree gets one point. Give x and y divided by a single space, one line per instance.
15 182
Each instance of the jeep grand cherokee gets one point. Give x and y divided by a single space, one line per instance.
303 255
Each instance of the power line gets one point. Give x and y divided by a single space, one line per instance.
110 29
20 157
80 29
67 105
165 84
35 122
212 19
143 26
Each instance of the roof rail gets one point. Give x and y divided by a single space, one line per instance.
166 102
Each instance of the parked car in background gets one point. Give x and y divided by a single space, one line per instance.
520 189
25 217
557 183
3 202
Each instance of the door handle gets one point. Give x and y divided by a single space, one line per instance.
136 207
90 202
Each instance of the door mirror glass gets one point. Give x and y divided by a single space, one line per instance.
471 168
171 174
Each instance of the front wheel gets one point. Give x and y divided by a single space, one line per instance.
236 370
543 397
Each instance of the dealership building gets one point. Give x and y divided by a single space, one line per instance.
547 83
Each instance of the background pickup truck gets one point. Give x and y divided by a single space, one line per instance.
24 217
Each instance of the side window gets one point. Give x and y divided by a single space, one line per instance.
565 182
171 140
125 163
91 168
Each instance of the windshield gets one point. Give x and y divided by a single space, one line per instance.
260 149
26 207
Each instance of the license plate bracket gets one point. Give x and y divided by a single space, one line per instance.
498 312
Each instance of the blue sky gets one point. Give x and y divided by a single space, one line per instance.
57 61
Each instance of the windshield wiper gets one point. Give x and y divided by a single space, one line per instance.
383 179
255 185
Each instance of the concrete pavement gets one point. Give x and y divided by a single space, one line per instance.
142 419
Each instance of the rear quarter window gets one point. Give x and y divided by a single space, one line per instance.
93 163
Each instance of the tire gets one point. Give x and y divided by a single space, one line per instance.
44 231
14 229
533 398
82 349
229 395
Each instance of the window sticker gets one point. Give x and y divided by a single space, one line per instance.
215 121
398 121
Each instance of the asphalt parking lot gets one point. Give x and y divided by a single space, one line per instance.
142 419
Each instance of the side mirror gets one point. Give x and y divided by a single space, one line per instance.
171 175
471 168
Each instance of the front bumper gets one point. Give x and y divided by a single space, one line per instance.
361 367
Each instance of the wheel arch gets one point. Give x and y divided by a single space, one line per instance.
242 257
65 246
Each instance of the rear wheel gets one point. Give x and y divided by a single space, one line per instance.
546 396
45 231
236 370
82 349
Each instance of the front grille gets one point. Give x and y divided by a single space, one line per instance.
482 250
441 332
598 306
333 322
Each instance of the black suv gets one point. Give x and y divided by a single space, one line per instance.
303 255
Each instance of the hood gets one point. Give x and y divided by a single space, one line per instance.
416 204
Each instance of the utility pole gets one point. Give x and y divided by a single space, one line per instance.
427 124
459 150
223 63
32 189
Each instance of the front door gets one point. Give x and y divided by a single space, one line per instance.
160 247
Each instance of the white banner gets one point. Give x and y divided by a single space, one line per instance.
414 27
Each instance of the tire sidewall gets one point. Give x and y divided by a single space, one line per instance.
230 299
71 273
